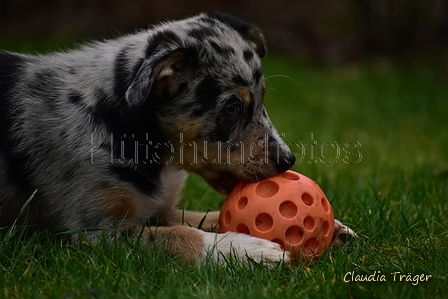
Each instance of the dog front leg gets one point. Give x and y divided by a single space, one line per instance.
194 245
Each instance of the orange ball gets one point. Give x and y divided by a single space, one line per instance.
289 209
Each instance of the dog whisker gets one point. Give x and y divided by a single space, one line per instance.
282 76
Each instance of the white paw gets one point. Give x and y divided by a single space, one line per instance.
242 246
343 233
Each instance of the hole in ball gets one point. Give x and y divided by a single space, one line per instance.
264 222
307 199
294 235
325 205
227 218
291 175
288 209
242 228
310 246
266 188
242 203
309 223
326 229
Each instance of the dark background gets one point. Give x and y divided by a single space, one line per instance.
320 31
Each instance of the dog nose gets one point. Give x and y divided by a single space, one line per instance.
285 162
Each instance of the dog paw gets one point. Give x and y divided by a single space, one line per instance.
223 246
343 234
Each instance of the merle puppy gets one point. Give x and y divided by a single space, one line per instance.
106 134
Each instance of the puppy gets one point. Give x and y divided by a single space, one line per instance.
106 134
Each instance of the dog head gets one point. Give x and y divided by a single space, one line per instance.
203 78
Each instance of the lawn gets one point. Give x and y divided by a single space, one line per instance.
373 135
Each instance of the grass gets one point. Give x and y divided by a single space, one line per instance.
392 188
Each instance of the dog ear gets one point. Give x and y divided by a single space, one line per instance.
248 31
138 91
161 70
161 76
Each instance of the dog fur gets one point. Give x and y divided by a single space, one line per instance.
106 133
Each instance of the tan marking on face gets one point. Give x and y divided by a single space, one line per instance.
263 81
183 131
204 154
117 201
235 156
189 128
243 94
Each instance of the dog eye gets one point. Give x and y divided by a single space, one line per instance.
232 109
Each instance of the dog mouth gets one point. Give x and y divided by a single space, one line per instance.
222 182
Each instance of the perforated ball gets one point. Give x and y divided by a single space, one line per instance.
289 209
